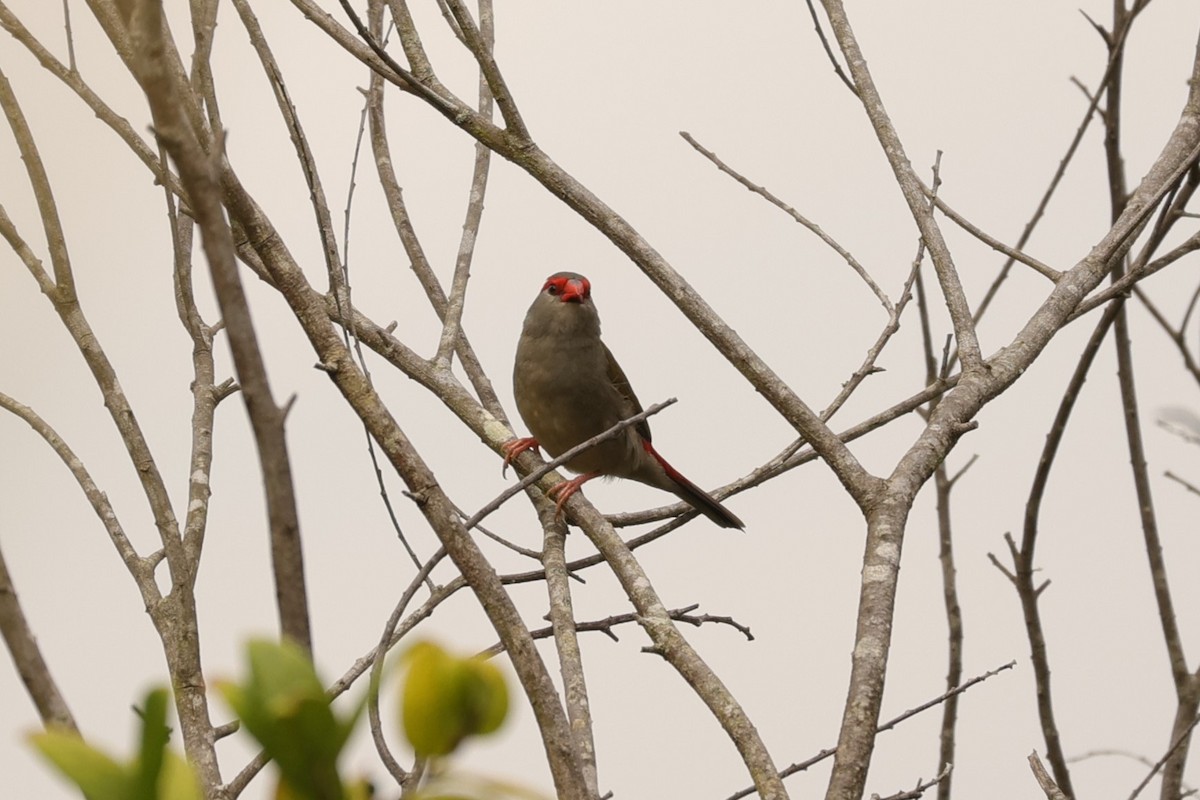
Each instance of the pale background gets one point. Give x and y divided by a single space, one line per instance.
605 87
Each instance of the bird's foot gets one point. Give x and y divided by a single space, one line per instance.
514 448
561 492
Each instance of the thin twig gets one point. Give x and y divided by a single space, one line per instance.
175 622
1023 556
481 49
1179 742
910 187
402 221
794 214
452 319
168 102
944 484
350 333
386 641
1044 780
399 75
893 325
940 780
1123 286
837 68
1145 501
498 539
1185 484
27 657
206 395
139 568
607 624
997 245
566 642
70 36
824 754
1051 188
1176 335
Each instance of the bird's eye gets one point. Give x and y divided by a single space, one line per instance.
553 288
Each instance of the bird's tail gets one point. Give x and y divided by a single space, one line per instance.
693 495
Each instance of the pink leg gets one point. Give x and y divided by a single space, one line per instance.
564 490
515 448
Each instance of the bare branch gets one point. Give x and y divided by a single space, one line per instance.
70 78
796 215
941 780
912 712
70 36
1176 335
304 155
566 642
1145 502
206 395
837 68
910 186
1044 780
479 46
860 483
27 657
944 484
951 418
1012 253
311 310
1023 557
1055 181
383 63
175 619
678 652
200 176
407 234
612 621
452 324
142 570
1180 743
1185 484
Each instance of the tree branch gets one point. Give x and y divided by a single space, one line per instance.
27 658
910 187
200 179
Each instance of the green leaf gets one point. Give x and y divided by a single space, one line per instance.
487 696
431 714
284 706
177 780
97 774
447 698
155 735
360 789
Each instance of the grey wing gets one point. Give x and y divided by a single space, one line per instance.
616 376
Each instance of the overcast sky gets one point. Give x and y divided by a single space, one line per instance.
605 89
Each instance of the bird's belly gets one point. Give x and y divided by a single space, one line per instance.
560 417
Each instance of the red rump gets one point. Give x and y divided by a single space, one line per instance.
662 462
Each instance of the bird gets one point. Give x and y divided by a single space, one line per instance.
569 388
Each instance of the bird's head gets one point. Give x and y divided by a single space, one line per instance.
563 307
568 287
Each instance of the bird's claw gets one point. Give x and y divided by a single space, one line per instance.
554 493
562 492
514 448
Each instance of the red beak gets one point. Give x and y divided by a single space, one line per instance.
572 292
